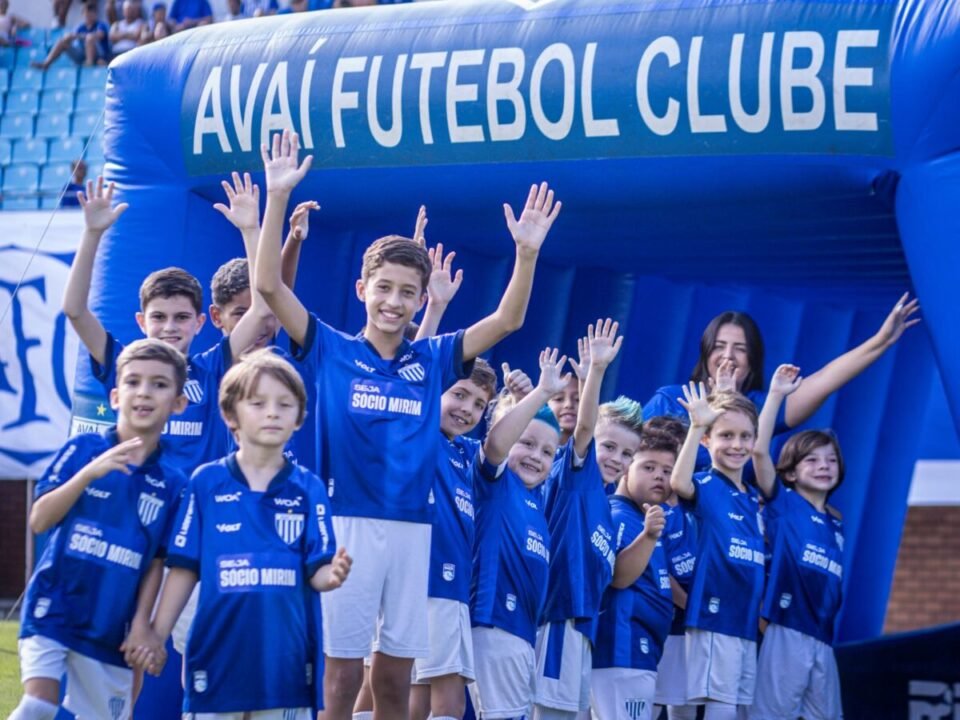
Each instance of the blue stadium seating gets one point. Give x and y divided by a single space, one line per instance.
16 125
30 151
4 80
85 124
37 37
6 153
55 176
20 178
94 169
52 125
93 77
56 101
27 55
65 149
8 57
22 101
60 78
26 79
20 203
90 100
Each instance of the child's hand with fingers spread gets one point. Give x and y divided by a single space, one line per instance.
119 457
582 368
244 198
727 377
420 227
442 286
98 215
785 380
694 401
280 162
551 379
603 342
535 221
899 319
300 220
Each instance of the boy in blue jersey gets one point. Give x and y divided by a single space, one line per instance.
638 607
512 548
796 672
724 599
380 404
442 676
255 529
582 550
108 501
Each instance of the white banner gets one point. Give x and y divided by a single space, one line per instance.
38 349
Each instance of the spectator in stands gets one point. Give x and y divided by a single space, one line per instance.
159 27
234 11
9 24
76 184
110 12
295 7
60 10
125 33
88 44
187 14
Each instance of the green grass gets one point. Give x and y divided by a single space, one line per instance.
9 668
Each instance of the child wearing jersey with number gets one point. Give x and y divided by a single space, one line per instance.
638 607
724 600
582 550
796 672
255 530
108 501
512 549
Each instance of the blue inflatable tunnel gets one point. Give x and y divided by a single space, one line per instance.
798 160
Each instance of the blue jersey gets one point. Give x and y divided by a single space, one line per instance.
254 553
727 586
635 621
451 542
379 419
197 435
680 544
804 588
83 593
511 555
582 549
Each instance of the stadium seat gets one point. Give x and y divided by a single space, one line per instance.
90 100
95 148
30 151
94 169
93 77
20 178
54 34
65 149
16 125
27 55
60 78
85 124
55 176
52 125
4 80
26 79
6 153
19 203
56 101
8 57
22 101
35 36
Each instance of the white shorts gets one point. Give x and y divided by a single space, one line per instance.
276 714
672 672
94 689
564 666
181 629
451 642
383 604
797 676
720 667
505 674
622 693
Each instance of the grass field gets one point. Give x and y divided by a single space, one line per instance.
9 668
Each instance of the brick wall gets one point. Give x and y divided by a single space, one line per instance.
926 583
13 521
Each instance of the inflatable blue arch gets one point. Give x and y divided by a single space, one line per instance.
798 160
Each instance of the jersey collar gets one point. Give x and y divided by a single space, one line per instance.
112 437
748 488
277 482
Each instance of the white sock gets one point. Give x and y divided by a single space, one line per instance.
719 711
682 712
33 708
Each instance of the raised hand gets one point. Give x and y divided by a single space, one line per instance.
535 221
582 367
281 165
119 457
728 377
420 227
786 379
300 220
899 319
244 198
442 285
98 213
653 521
603 342
517 382
551 380
694 401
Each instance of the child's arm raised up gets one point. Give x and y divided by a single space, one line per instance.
786 379
634 558
694 401
441 289
98 216
528 233
334 574
510 427
299 229
602 344
283 173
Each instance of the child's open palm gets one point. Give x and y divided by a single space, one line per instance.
786 379
280 163
443 284
551 379
694 401
98 213
244 198
535 221
300 220
899 319
603 342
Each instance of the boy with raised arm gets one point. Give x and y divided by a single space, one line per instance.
108 501
380 398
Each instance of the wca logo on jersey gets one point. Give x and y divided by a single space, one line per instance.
148 508
931 700
412 373
194 391
154 482
289 526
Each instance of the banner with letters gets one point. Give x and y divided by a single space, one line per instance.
38 349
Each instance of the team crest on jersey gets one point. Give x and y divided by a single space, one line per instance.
200 681
148 508
412 373
635 708
194 391
449 571
838 536
116 705
289 526
511 602
42 608
714 605
785 600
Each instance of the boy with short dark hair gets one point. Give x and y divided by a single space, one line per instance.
109 502
380 398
